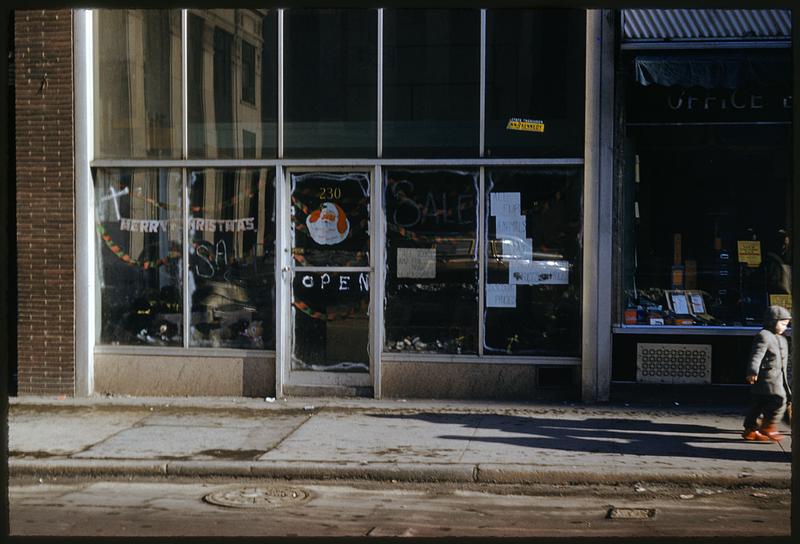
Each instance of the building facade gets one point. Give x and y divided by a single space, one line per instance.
434 203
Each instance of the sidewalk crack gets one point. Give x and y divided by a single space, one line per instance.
287 435
469 442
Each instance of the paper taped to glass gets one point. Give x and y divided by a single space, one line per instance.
416 262
524 272
501 295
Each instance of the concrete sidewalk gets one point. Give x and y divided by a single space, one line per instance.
389 440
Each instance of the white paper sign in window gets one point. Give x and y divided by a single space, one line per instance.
505 204
416 262
516 248
538 272
510 227
501 295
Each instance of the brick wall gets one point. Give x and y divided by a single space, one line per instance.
45 198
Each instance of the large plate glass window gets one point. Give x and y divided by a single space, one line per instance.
137 84
533 281
330 76
431 283
707 205
431 96
138 217
330 288
232 258
232 83
535 82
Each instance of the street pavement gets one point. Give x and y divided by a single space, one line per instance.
390 440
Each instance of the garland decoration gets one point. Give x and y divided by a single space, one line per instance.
127 259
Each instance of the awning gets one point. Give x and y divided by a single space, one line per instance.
705 24
714 71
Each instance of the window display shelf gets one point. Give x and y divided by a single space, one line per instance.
698 330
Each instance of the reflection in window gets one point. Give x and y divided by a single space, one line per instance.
331 77
232 258
331 321
248 73
137 84
330 219
232 82
532 291
535 83
431 82
432 267
138 221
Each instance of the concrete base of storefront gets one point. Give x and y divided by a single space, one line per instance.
139 375
497 381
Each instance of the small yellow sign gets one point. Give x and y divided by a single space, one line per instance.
526 125
781 300
749 252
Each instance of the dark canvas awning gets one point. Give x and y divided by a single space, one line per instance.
714 71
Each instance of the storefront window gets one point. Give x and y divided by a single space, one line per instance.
232 258
137 98
232 83
431 97
331 77
707 209
431 261
139 232
534 98
533 280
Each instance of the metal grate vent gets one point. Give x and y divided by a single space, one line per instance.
673 363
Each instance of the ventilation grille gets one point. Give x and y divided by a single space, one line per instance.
673 363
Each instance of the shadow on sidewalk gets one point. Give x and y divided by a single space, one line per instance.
608 435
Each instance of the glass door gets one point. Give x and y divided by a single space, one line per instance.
330 267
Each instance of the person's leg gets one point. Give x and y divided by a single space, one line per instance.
774 408
751 425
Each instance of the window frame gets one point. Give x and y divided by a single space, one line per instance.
377 165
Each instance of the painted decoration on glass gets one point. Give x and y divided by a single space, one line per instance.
328 225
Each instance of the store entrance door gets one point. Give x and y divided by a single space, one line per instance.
329 290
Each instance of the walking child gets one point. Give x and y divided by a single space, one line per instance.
767 375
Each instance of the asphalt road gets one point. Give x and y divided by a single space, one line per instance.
385 509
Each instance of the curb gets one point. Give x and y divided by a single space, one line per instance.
389 472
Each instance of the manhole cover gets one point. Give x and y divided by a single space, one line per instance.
631 513
258 497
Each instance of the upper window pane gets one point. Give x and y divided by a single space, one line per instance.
232 83
331 78
431 96
137 84
535 83
139 234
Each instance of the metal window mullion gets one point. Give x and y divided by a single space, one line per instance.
184 187
280 84
282 312
379 130
187 310
481 263
184 84
377 237
482 91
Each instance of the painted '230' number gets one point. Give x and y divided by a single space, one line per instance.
329 193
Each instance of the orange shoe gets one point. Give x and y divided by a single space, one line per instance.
755 435
771 432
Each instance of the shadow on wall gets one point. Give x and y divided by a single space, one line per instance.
607 436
